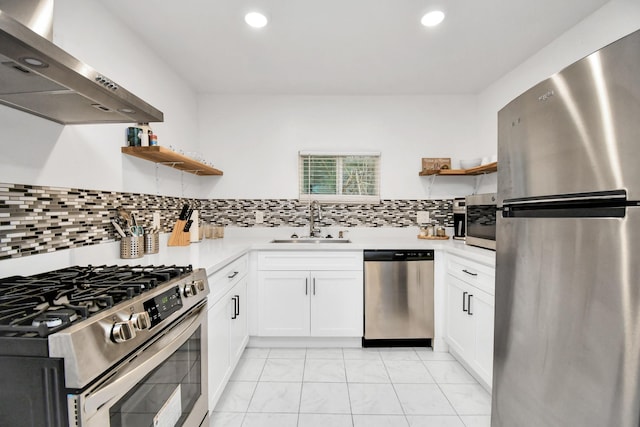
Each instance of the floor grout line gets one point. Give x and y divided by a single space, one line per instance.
346 379
347 383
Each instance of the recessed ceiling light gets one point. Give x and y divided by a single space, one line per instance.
432 19
255 19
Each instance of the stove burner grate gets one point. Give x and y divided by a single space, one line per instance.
42 304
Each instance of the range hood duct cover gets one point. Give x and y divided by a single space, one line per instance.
38 77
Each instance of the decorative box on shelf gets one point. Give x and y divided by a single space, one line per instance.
435 164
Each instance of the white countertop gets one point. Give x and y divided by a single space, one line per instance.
214 254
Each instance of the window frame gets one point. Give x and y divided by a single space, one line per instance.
338 197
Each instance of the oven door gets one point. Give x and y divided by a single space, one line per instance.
162 384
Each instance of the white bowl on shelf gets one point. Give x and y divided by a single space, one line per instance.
470 163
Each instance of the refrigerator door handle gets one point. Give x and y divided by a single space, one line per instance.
592 197
601 204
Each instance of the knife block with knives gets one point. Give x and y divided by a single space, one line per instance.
180 235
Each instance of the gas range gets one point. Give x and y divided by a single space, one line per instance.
93 316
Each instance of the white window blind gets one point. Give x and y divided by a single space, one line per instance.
339 177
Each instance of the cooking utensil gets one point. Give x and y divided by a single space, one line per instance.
187 226
125 215
118 229
183 213
136 230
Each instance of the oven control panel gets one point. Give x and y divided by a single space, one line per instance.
163 305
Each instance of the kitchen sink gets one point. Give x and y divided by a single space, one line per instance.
311 240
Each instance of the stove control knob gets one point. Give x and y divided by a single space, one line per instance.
141 320
199 284
123 331
190 290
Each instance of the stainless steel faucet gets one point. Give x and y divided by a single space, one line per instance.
313 231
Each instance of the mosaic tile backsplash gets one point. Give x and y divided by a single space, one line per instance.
293 213
38 219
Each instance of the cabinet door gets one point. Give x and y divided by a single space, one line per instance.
460 328
336 303
284 303
239 325
482 309
218 345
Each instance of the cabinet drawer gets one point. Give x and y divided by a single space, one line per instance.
472 272
310 260
222 280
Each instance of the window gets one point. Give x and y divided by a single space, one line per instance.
340 177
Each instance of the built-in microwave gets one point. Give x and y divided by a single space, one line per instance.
481 220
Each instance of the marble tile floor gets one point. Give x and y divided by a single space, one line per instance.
351 387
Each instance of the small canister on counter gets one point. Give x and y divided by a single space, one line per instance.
429 230
151 243
133 136
153 139
132 247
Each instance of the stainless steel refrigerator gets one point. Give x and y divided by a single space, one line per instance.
567 325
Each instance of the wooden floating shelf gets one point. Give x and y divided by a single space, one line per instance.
170 158
478 170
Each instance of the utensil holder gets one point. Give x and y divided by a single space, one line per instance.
132 247
151 243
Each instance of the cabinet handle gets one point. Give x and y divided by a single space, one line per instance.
314 285
235 308
464 300
231 276
469 305
470 273
306 286
237 297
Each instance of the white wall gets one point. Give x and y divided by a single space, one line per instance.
256 139
40 152
609 23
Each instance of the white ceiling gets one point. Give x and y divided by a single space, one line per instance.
348 46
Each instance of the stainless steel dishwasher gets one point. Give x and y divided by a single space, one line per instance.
398 298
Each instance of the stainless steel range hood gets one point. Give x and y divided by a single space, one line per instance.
38 77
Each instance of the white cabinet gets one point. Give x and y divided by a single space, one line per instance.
482 306
470 315
219 339
336 304
460 324
283 303
318 294
227 324
239 325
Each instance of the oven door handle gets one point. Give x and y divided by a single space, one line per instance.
143 362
